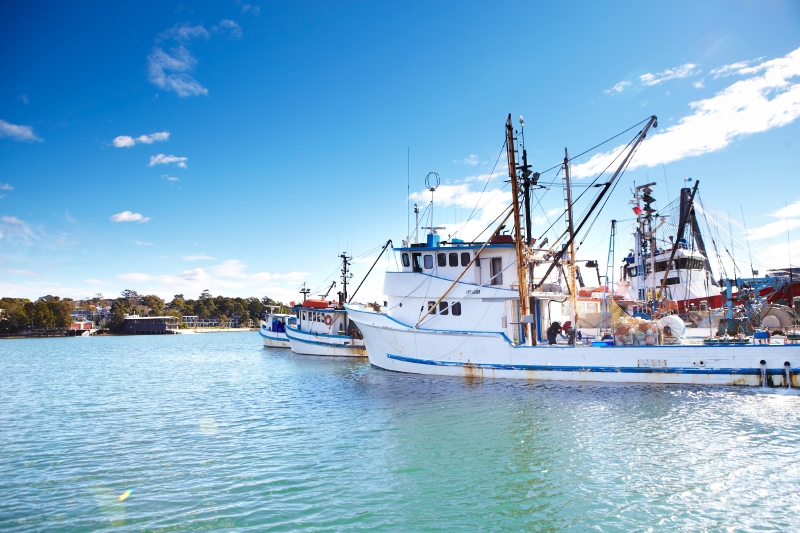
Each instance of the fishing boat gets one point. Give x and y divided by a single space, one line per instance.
273 328
322 326
479 310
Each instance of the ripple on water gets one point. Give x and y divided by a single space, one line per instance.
213 431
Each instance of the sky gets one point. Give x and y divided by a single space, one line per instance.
241 146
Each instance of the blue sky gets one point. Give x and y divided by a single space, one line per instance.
240 146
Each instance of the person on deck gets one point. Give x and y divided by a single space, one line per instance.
552 332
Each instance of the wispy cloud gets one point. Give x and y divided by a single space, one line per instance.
22 272
129 216
13 229
6 187
254 10
171 70
699 84
788 218
618 88
142 243
683 71
170 178
162 159
471 159
126 141
23 98
198 257
18 132
752 105
235 29
739 67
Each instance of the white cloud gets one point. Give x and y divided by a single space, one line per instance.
128 216
699 84
17 132
733 68
126 141
198 257
14 229
236 30
788 218
618 88
170 178
95 281
171 70
471 159
142 243
683 71
6 187
162 159
752 105
23 98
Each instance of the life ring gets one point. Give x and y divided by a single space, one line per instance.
328 320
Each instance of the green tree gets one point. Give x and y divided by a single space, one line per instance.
155 304
119 309
42 315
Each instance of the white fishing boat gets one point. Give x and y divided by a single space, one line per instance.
323 327
478 310
273 328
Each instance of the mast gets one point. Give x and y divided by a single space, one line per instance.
345 277
573 296
522 271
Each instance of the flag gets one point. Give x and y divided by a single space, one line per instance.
687 178
637 210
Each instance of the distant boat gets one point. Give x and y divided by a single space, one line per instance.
273 329
322 327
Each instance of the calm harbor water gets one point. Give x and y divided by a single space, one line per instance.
213 431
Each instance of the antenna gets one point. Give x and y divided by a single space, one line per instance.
747 240
305 291
432 181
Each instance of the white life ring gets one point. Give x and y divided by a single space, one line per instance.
328 320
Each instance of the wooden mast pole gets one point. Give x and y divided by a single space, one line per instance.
573 293
522 271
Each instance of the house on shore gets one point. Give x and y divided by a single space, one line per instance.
149 325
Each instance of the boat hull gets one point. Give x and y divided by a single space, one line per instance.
274 339
304 343
398 347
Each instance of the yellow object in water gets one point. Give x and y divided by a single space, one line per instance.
124 495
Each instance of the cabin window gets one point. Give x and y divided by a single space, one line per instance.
406 262
441 260
453 259
464 259
456 308
443 308
661 266
432 308
417 260
689 263
632 271
591 307
304 315
428 258
497 271
673 281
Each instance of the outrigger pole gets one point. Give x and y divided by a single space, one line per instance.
606 186
385 246
681 225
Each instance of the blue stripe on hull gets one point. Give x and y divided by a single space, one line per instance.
614 369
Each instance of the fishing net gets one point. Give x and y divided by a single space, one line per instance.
632 331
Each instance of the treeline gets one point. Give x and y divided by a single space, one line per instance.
46 312
54 312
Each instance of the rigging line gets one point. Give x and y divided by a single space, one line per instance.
596 146
492 223
747 239
491 174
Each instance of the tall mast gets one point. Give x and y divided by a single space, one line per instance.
345 277
522 271
573 296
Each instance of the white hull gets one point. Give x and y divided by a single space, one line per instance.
305 343
274 339
398 347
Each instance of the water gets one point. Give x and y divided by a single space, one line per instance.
212 431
